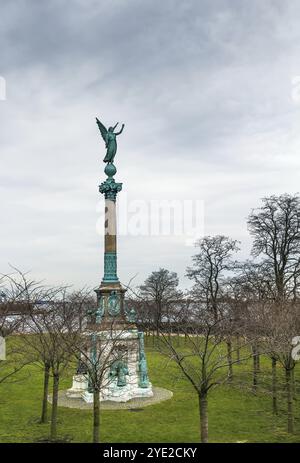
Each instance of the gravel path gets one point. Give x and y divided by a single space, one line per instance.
160 394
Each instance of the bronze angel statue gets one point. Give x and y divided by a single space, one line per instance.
110 138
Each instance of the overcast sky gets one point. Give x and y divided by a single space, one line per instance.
208 91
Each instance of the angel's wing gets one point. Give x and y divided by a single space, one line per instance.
102 129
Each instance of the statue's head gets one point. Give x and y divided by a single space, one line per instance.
111 129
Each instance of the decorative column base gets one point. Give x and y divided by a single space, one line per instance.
110 268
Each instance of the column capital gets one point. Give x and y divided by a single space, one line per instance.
110 188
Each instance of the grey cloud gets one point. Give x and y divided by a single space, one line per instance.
204 89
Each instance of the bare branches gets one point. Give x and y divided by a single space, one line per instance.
159 294
275 227
211 264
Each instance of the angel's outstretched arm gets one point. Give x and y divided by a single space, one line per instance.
118 133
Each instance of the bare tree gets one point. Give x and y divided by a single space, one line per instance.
12 362
210 265
275 227
203 359
281 323
48 313
11 315
49 325
254 287
80 301
35 300
35 348
159 292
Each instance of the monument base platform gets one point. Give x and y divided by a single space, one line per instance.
79 390
119 394
159 395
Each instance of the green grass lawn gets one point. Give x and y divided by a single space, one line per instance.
234 414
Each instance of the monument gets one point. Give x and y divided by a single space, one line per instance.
112 334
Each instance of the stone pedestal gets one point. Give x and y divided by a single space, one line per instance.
126 348
79 386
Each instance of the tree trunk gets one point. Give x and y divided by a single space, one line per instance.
289 396
255 368
53 429
229 360
294 392
238 349
44 415
274 386
280 286
215 312
96 423
257 359
203 418
157 325
170 332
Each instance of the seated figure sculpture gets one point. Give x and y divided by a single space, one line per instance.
119 370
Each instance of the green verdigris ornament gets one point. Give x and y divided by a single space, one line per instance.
114 304
110 188
110 138
131 315
143 369
119 370
100 310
